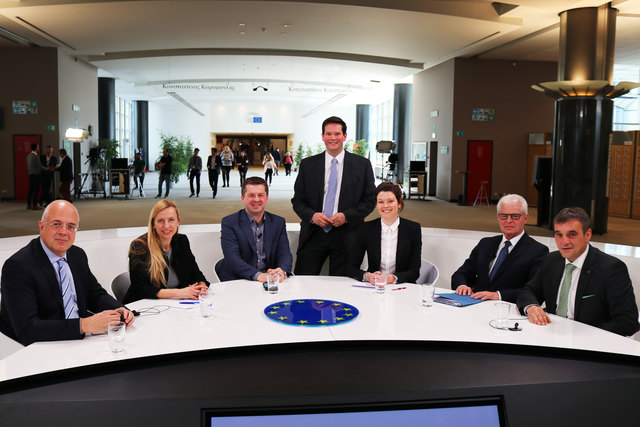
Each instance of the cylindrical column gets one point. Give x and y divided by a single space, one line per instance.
362 122
142 128
106 108
580 156
587 43
402 125
583 124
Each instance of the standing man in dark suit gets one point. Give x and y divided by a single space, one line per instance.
499 266
66 175
166 166
333 193
254 242
580 282
35 170
49 161
48 290
213 167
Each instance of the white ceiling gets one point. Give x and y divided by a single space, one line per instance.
307 51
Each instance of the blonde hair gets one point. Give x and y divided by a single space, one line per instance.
149 243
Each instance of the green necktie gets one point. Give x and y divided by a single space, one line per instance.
565 287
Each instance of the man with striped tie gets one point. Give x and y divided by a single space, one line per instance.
48 290
580 282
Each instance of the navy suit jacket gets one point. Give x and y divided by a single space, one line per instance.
239 246
356 192
604 297
32 309
408 250
518 268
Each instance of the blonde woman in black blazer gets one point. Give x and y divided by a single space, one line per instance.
409 244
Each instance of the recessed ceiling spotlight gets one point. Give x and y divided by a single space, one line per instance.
242 33
241 24
286 25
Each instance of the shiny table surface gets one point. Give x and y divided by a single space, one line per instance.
240 321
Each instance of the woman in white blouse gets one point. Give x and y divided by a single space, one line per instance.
393 244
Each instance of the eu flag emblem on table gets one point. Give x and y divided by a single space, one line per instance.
311 312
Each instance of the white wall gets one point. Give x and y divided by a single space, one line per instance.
77 85
308 130
177 119
237 117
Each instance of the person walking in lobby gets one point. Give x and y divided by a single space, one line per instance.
193 172
166 166
214 164
269 167
243 165
227 164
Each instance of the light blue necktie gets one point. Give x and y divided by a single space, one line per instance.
501 256
330 200
70 307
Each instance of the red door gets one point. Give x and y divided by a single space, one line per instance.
479 158
22 147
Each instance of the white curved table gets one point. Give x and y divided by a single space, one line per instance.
240 321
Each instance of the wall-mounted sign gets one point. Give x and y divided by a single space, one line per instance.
257 119
75 107
434 113
444 149
51 127
482 114
209 87
25 107
459 133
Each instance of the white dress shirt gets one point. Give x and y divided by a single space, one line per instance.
389 246
327 171
514 241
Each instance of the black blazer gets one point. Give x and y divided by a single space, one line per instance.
518 268
217 163
408 251
356 192
66 170
32 309
182 261
604 297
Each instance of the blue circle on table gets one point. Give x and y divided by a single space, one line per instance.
311 312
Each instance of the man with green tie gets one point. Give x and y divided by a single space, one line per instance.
581 282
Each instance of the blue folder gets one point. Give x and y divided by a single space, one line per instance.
456 300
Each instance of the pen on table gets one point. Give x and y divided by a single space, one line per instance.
399 289
189 302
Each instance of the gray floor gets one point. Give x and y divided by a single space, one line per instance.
98 213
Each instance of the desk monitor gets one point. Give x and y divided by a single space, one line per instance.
481 412
417 166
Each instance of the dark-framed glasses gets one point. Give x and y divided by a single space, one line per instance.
514 216
58 226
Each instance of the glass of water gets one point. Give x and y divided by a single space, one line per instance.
115 331
206 303
272 283
380 282
427 295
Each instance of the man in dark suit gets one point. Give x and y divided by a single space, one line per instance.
499 266
66 175
49 161
254 242
48 290
580 282
213 167
333 193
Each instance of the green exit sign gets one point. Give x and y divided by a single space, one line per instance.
51 127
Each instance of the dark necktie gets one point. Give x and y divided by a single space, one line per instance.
501 256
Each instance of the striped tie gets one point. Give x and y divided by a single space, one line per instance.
332 188
70 307
565 287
